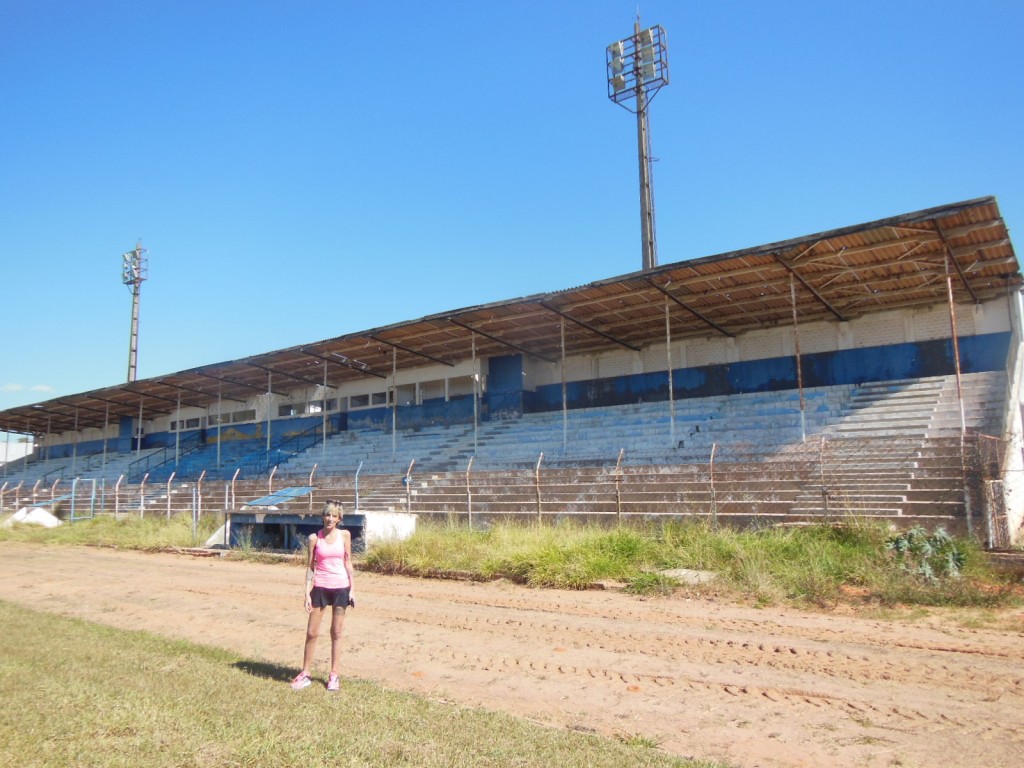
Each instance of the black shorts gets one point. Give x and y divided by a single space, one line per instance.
322 597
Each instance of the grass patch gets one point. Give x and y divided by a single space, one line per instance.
77 693
152 532
566 557
817 565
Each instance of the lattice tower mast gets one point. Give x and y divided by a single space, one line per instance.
134 270
637 70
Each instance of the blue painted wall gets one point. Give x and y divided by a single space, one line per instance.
987 352
506 398
431 413
85 448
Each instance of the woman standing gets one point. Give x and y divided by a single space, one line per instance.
328 583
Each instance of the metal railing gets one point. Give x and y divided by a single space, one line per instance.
828 479
171 455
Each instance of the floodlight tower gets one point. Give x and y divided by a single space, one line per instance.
637 70
134 270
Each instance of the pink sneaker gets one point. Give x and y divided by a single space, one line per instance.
333 683
301 681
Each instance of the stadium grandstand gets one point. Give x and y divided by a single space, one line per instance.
870 370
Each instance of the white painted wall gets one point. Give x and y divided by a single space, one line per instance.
388 526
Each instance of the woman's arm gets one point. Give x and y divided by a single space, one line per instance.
348 566
310 567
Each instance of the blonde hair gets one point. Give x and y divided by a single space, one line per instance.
335 506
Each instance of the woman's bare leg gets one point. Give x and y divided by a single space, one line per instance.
337 623
312 633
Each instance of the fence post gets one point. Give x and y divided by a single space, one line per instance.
618 487
311 473
714 497
117 496
233 479
537 484
358 470
3 490
142 494
967 490
199 497
469 494
821 477
407 481
270 481
169 481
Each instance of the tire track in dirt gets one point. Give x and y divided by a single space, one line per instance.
744 652
973 642
835 705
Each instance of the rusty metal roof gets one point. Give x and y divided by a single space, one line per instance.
838 275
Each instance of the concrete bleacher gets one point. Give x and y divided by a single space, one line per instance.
880 448
644 433
94 466
439 448
887 449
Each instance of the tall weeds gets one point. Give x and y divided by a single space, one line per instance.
818 565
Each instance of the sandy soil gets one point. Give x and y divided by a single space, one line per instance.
769 687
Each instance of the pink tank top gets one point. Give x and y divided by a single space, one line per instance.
329 563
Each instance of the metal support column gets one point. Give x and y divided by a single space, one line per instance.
565 410
476 393
220 419
323 420
106 426
799 366
270 404
394 402
671 387
138 431
956 343
74 447
959 396
177 433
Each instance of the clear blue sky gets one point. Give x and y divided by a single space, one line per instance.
301 170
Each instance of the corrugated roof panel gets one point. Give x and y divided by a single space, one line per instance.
840 274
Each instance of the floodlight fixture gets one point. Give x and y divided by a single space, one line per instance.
637 70
134 270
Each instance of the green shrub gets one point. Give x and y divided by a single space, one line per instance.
931 557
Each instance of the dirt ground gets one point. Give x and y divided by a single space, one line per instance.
703 678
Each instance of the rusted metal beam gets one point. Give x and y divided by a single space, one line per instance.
700 316
588 326
498 340
344 362
808 287
412 351
278 372
242 384
956 264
